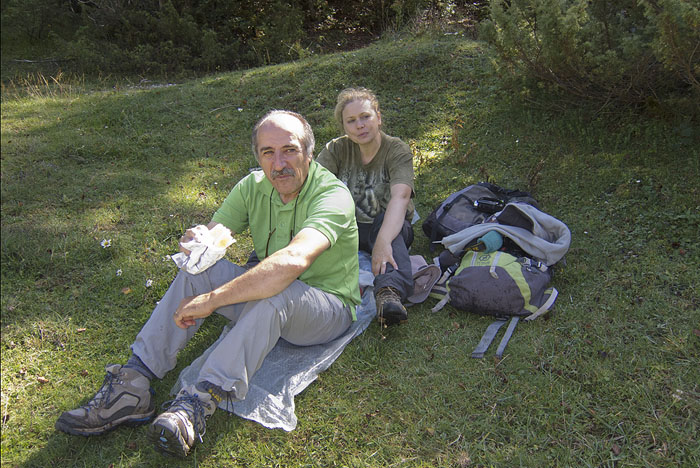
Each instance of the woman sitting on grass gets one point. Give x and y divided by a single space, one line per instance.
378 170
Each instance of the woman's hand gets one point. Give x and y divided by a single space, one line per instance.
382 254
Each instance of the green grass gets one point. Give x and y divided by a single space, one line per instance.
611 378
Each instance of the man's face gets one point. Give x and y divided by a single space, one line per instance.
281 155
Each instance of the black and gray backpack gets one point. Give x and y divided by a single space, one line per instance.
510 283
467 207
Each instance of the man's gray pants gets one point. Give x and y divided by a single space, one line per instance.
300 314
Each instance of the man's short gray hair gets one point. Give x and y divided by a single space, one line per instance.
307 139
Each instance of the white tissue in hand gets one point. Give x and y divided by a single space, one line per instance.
221 236
206 248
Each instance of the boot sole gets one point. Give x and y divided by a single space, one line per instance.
131 420
168 442
392 319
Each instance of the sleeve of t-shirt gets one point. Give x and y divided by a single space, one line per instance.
331 212
329 158
401 165
233 212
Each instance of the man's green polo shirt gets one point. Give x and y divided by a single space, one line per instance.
324 204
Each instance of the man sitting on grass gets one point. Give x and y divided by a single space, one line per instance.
304 289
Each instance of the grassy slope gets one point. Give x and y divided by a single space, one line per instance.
610 379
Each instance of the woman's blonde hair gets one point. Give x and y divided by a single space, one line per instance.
349 95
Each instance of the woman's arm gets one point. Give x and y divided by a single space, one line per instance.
394 216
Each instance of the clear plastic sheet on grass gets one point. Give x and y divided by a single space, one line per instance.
288 369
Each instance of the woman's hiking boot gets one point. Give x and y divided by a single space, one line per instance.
124 398
389 308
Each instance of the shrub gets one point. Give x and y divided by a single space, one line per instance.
31 20
167 36
677 40
599 50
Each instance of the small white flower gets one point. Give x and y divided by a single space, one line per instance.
106 243
149 283
119 272
240 109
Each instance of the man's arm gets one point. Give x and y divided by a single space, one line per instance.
271 276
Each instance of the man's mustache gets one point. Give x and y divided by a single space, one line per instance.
286 171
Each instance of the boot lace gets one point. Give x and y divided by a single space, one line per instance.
101 398
385 295
193 407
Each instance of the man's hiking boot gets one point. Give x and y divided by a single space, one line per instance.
177 429
124 398
389 308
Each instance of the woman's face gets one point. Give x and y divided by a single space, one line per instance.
361 122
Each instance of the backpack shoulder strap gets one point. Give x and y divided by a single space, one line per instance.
487 338
490 334
506 336
553 293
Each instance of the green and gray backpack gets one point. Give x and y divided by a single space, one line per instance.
497 284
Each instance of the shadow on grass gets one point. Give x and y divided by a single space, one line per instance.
130 445
138 166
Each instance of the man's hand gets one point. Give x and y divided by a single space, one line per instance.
188 236
382 254
191 308
191 234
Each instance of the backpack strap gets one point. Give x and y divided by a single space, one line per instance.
506 336
440 290
529 262
494 264
509 194
487 338
553 293
446 298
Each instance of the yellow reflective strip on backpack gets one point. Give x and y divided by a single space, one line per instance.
515 270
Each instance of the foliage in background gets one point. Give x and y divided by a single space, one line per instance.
169 37
676 42
625 51
610 378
